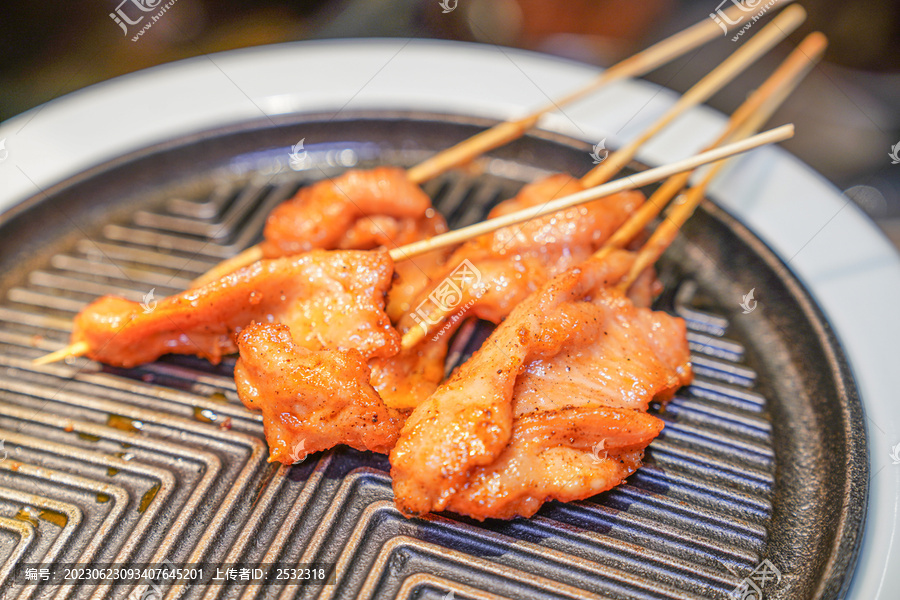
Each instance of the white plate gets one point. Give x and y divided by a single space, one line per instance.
849 266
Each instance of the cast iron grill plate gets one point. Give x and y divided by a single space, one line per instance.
763 458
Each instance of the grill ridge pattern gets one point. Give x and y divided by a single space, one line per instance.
91 442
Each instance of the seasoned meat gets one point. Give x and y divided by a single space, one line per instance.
311 400
331 300
551 456
361 209
573 349
513 262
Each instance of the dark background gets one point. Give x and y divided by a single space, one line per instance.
847 111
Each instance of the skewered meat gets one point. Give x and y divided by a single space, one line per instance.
361 210
551 456
573 366
514 261
330 299
275 376
511 263
311 400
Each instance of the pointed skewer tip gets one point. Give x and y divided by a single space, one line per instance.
76 349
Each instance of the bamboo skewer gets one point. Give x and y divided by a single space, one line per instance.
796 66
756 110
714 81
637 65
451 238
643 62
76 349
668 230
630 182
230 265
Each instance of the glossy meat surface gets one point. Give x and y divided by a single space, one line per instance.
536 467
331 300
488 276
513 262
311 400
360 209
574 355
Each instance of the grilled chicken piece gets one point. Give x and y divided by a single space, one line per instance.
330 299
553 455
311 400
489 275
495 439
513 262
361 210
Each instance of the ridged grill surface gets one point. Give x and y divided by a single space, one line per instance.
163 462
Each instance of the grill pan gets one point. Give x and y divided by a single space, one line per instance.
764 457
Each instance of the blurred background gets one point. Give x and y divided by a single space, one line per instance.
848 108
